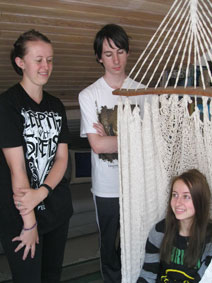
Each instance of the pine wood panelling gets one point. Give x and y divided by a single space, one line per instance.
71 25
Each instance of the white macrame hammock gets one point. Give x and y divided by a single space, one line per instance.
167 139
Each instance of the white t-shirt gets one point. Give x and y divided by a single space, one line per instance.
97 102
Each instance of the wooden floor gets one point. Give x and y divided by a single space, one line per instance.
91 278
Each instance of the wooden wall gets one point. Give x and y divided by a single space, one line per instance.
72 25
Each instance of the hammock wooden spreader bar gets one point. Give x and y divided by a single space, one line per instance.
169 90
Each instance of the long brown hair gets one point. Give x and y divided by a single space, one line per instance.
200 193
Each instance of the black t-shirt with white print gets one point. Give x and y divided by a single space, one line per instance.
39 128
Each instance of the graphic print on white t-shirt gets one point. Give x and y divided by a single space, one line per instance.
108 118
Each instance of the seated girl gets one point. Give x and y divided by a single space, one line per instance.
179 248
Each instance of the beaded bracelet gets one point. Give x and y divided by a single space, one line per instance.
28 229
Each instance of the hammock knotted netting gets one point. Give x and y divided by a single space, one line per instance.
173 133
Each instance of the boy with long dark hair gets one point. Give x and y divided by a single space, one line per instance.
99 123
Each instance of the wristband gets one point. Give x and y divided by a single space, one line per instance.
50 190
28 229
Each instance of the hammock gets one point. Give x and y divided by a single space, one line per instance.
174 133
182 38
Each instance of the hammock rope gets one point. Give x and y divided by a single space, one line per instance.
183 38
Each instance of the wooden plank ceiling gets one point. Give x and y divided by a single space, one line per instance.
72 25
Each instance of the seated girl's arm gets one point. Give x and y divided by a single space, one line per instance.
15 160
151 263
205 271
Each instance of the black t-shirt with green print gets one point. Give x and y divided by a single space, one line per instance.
176 271
155 270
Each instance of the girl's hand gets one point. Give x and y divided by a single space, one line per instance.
27 199
100 129
28 239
